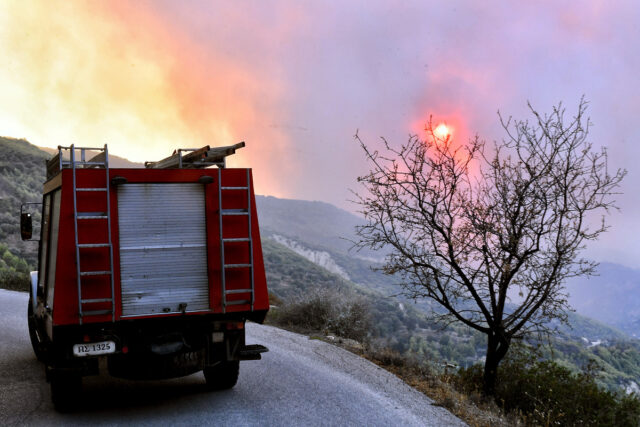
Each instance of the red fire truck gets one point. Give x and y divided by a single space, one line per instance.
146 273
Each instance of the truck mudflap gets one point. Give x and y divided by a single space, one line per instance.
252 352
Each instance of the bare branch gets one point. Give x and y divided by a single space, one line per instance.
474 229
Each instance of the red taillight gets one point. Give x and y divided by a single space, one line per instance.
87 338
125 349
234 325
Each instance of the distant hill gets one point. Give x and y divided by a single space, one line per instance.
324 232
299 226
612 297
318 224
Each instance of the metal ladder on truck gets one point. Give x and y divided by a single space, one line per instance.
248 239
101 160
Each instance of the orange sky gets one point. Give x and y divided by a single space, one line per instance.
147 77
91 73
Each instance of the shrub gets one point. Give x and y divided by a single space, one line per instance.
327 312
274 300
350 319
545 393
14 271
15 280
386 356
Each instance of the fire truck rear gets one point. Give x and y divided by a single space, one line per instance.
145 273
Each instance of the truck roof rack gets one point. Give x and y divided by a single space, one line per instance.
183 158
196 158
60 161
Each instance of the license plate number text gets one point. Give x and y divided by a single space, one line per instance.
94 348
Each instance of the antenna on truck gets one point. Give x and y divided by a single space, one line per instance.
196 158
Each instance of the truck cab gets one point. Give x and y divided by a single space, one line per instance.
146 273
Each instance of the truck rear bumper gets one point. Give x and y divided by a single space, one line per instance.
154 348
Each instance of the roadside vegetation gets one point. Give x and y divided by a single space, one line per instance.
14 271
531 390
404 329
542 392
328 313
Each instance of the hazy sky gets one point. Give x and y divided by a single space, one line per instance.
296 79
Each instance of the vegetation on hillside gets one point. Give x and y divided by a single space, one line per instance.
330 313
22 172
407 331
543 392
531 389
14 271
294 278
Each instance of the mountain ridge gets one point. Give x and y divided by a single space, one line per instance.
605 293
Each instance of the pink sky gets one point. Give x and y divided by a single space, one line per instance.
296 80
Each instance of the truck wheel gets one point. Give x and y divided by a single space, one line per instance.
65 390
222 376
33 334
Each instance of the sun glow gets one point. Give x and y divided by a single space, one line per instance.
442 131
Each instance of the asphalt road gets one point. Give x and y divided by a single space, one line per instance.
298 382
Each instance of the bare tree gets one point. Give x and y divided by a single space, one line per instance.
490 234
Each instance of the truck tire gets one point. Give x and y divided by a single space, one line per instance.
38 347
222 376
65 390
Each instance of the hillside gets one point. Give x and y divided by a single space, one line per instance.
322 231
573 345
307 250
320 225
324 234
612 297
406 329
22 172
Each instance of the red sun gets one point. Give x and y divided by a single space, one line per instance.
442 131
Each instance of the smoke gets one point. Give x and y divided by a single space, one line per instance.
120 73
296 80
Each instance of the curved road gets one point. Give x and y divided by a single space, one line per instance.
298 382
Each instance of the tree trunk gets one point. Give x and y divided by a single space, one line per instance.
497 347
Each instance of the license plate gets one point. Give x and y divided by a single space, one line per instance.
94 348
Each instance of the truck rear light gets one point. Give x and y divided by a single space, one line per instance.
125 349
234 325
217 336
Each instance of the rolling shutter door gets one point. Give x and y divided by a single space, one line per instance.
163 257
